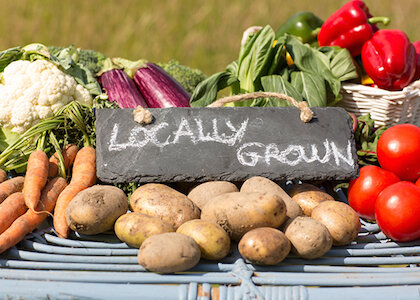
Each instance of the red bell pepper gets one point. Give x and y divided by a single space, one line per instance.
389 59
417 75
350 27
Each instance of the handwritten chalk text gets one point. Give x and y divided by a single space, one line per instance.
248 154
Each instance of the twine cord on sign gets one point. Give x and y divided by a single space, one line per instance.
306 114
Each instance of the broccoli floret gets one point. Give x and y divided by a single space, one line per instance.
55 50
188 77
91 59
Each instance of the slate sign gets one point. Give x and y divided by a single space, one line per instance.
229 143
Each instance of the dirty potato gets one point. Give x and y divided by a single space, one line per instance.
264 246
133 228
204 192
308 196
239 212
168 252
341 220
264 185
164 202
309 238
212 239
95 209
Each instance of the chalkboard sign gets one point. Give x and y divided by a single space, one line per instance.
229 143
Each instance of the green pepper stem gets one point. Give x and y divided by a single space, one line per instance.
316 31
384 20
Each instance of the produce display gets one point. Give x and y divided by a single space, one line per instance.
48 97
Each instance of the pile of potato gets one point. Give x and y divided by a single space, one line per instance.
173 230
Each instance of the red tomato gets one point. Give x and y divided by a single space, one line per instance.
397 211
399 151
364 190
418 182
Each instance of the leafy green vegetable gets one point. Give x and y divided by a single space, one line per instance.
7 138
73 123
276 83
340 62
188 77
315 75
9 55
311 87
83 75
91 59
255 59
310 60
206 91
366 137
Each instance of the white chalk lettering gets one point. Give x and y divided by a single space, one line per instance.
141 136
292 155
201 136
243 157
248 154
184 132
347 158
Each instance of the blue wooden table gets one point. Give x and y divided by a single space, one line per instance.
44 266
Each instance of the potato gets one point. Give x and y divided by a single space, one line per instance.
202 193
95 209
213 241
169 252
308 196
264 246
265 185
161 201
133 228
342 221
310 239
238 212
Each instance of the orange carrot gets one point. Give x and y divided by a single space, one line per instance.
69 154
11 209
3 175
84 176
30 220
36 177
84 168
11 186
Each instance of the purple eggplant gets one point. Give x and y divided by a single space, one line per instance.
159 89
120 87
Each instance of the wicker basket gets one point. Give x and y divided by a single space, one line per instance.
385 107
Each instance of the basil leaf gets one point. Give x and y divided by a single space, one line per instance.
276 83
311 87
206 91
311 60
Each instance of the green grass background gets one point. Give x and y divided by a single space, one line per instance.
205 34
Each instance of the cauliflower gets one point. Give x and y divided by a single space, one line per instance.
33 91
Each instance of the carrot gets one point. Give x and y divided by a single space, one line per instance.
69 154
84 176
84 168
11 209
11 186
30 220
3 175
36 177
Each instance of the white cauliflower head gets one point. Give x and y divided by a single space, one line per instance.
33 91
